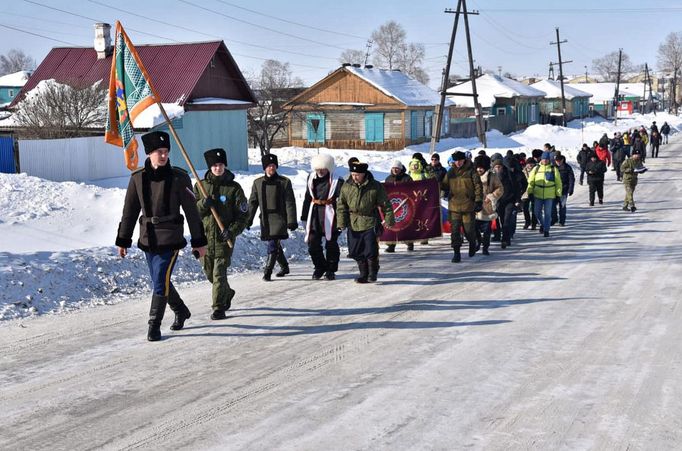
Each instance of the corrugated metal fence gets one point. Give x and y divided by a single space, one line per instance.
73 159
7 155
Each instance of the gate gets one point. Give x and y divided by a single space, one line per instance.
7 155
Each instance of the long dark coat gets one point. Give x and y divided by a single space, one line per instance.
275 198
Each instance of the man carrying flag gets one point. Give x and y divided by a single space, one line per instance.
156 191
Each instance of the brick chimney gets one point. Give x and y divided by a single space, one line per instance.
103 45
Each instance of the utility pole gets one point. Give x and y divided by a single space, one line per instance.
561 75
585 74
499 71
369 47
651 92
550 75
436 131
480 128
674 90
616 95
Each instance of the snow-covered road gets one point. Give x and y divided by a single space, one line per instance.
572 342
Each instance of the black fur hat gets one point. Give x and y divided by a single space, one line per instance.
269 159
359 168
214 156
155 140
482 161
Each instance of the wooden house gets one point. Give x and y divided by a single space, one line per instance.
201 78
551 107
364 108
500 96
10 85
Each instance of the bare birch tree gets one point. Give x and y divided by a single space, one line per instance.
669 59
14 61
392 51
352 56
607 66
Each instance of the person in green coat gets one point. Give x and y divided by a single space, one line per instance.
227 198
356 210
274 195
631 168
465 199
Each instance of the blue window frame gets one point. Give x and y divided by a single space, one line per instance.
313 136
374 127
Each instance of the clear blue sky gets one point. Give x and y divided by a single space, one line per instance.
512 34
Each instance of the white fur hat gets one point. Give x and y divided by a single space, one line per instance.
397 164
322 161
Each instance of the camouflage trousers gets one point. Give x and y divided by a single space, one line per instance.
466 220
215 269
629 196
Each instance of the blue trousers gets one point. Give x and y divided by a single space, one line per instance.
543 211
160 269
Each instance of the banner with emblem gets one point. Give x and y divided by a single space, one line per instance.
130 93
416 207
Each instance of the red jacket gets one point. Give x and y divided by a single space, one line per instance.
603 154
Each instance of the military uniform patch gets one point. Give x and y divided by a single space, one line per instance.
244 207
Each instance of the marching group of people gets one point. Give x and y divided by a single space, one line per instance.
484 195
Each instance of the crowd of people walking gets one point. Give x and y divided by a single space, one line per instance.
484 194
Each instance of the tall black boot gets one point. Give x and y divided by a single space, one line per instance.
373 266
269 265
458 256
156 311
363 266
180 309
283 264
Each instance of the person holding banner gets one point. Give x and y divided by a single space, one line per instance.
274 195
357 211
227 198
464 200
398 175
158 191
319 215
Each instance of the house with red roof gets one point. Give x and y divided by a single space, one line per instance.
199 81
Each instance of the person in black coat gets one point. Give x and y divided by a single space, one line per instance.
665 131
567 184
595 177
506 205
583 158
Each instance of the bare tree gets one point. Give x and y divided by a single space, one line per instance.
274 86
14 61
410 59
607 65
54 110
388 40
352 56
669 59
392 51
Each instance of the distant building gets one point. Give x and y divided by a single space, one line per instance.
10 85
364 108
202 78
551 106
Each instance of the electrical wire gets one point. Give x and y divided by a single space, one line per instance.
37 34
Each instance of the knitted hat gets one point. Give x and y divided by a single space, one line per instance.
397 164
214 156
497 161
545 156
322 161
269 159
155 140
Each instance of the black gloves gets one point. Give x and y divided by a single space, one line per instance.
293 226
226 235
209 202
478 206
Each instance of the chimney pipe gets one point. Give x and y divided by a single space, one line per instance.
103 45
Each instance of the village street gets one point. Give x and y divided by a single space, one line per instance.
571 342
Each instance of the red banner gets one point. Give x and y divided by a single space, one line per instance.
416 207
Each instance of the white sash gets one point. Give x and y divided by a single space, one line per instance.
329 211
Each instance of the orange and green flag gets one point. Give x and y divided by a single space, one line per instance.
130 93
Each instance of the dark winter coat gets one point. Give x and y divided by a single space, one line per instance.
604 141
665 129
317 201
639 145
275 198
159 194
358 205
440 172
584 157
595 171
465 188
231 205
567 178
400 178
510 191
516 174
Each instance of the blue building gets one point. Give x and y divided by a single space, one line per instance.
10 85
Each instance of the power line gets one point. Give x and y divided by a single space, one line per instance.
37 34
209 35
340 33
584 10
259 26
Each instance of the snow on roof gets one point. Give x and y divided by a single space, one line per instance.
217 101
17 79
552 89
396 84
489 87
604 92
346 103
